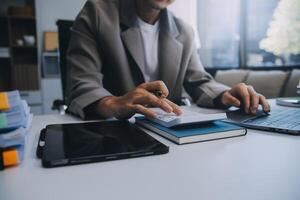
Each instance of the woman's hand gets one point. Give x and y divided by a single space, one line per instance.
242 95
137 101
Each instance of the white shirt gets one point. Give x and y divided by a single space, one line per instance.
150 35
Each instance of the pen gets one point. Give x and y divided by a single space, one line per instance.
159 94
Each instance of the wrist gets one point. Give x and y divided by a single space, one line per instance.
105 106
218 101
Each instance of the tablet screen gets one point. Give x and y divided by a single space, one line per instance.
102 139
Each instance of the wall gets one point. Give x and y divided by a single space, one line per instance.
49 11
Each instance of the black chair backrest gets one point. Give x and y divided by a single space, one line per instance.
64 36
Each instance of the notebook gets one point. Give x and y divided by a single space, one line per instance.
195 132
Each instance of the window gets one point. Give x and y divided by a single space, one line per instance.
219 32
249 33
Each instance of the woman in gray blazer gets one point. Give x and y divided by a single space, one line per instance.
126 55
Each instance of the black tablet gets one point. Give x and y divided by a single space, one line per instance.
70 144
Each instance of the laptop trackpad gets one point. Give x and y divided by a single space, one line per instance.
240 116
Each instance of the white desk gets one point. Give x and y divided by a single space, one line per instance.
260 165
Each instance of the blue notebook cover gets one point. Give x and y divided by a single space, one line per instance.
194 132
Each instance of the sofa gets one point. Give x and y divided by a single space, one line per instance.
271 83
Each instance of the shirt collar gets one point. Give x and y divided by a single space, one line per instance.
129 18
148 27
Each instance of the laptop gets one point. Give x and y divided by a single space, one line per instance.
280 119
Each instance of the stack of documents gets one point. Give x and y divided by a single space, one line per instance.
15 120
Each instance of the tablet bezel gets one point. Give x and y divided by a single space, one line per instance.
48 163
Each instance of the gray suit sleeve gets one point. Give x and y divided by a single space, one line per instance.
84 63
199 84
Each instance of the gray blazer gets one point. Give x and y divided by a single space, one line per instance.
105 57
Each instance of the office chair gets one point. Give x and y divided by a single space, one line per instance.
64 36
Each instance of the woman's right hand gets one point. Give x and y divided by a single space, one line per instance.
137 101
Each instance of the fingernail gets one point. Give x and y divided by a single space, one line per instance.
253 110
179 112
152 116
167 108
267 109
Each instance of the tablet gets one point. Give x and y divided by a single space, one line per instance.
70 144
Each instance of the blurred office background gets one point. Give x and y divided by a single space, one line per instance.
230 34
247 33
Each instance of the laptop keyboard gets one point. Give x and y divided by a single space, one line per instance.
282 118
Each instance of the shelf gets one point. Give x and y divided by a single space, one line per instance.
24 56
3 32
24 47
27 18
5 74
4 57
19 64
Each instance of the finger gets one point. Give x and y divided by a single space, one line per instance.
156 86
230 100
176 109
263 101
244 94
137 108
254 97
150 99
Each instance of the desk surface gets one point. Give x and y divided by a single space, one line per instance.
261 165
